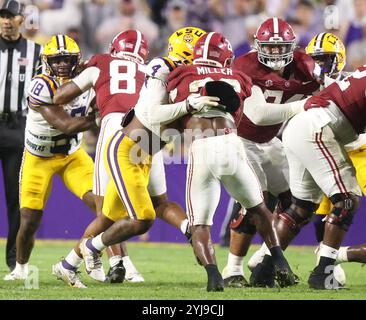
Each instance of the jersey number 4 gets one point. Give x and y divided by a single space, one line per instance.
123 76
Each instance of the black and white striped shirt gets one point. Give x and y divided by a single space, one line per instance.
19 61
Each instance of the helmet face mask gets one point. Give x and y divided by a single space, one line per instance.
61 56
182 42
63 66
275 55
329 53
275 43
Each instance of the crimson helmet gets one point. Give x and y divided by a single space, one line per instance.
213 49
130 43
275 34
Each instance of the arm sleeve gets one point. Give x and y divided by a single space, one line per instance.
263 113
153 104
87 78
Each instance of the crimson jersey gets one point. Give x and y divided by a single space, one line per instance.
350 96
297 83
118 85
186 80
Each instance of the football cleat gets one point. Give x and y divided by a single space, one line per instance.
339 274
257 257
263 275
234 280
134 277
116 274
70 277
93 263
285 277
320 280
215 283
237 281
15 275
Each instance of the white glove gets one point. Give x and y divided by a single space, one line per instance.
196 102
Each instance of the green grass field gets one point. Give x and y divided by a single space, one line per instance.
170 272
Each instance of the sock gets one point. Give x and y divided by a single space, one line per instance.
212 270
342 255
184 226
278 257
97 243
21 268
235 265
113 261
72 260
328 257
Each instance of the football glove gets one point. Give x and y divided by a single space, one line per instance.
315 102
196 102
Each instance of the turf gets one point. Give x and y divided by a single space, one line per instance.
171 272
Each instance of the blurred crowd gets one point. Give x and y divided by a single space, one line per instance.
92 23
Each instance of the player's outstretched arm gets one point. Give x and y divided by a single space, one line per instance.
263 113
61 120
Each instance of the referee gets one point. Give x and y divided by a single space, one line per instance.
19 59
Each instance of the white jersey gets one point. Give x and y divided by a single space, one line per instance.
154 93
41 138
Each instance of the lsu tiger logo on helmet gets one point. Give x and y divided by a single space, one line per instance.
182 42
60 56
329 53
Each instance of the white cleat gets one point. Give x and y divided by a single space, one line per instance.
339 274
93 263
256 258
70 277
14 275
134 276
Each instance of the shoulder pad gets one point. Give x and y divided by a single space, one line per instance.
42 89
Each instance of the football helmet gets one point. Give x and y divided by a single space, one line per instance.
60 56
213 49
329 53
130 43
275 43
181 44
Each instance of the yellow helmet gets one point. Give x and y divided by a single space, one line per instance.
181 44
329 52
61 48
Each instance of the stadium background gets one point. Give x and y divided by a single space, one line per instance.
92 23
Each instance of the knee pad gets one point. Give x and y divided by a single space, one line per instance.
240 221
342 216
294 220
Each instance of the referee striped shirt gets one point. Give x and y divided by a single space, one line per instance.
19 61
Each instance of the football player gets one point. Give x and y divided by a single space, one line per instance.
217 155
127 208
318 162
329 53
106 73
52 145
284 74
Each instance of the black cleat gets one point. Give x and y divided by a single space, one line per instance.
237 281
323 281
215 283
285 277
263 276
116 274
